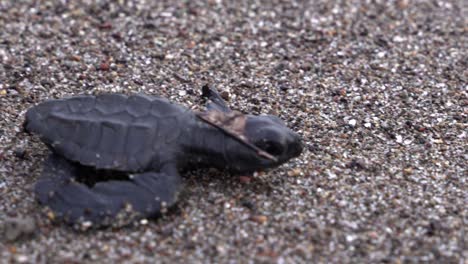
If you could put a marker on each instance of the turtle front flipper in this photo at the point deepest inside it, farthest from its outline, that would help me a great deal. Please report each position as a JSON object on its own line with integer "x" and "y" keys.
{"x": 216, "y": 101}
{"x": 107, "y": 203}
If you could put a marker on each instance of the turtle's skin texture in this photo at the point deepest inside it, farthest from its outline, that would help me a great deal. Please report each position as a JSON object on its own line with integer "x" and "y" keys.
{"x": 149, "y": 140}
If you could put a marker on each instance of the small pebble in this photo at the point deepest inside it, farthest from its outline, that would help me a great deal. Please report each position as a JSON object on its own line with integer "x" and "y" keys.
{"x": 12, "y": 229}
{"x": 245, "y": 179}
{"x": 225, "y": 95}
{"x": 21, "y": 259}
{"x": 294, "y": 172}
{"x": 261, "y": 219}
{"x": 20, "y": 153}
{"x": 408, "y": 171}
{"x": 104, "y": 66}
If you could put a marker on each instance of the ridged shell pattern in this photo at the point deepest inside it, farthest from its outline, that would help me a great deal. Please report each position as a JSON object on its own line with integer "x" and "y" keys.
{"x": 110, "y": 131}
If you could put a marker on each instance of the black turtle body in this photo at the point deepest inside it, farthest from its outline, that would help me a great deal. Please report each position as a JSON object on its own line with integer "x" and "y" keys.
{"x": 150, "y": 140}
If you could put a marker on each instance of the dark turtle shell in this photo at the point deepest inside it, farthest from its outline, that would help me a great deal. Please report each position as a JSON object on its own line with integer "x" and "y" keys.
{"x": 109, "y": 131}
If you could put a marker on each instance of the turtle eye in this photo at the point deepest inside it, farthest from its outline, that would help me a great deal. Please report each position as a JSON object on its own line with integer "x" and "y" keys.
{"x": 271, "y": 147}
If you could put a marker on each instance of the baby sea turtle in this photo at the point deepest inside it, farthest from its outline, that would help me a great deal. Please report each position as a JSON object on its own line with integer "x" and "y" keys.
{"x": 147, "y": 141}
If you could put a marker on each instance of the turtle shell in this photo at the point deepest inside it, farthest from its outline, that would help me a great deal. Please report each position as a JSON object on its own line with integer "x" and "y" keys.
{"x": 109, "y": 131}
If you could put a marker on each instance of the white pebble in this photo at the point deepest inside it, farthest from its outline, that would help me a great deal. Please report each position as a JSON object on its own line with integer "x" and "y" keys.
{"x": 398, "y": 39}
{"x": 21, "y": 259}
{"x": 399, "y": 138}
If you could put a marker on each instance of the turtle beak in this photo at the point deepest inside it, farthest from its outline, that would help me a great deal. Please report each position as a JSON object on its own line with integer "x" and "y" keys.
{"x": 295, "y": 149}
{"x": 294, "y": 146}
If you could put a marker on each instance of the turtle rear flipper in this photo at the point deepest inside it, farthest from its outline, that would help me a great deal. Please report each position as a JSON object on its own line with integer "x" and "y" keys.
{"x": 108, "y": 203}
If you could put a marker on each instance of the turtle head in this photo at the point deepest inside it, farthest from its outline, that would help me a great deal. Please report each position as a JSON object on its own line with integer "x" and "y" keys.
{"x": 252, "y": 142}
{"x": 268, "y": 143}
{"x": 270, "y": 134}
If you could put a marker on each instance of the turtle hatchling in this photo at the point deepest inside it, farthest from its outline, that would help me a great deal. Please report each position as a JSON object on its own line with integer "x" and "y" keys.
{"x": 141, "y": 143}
